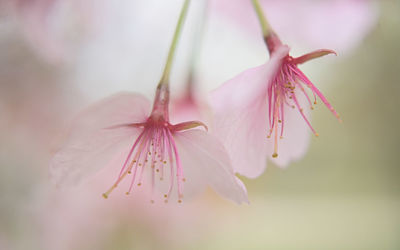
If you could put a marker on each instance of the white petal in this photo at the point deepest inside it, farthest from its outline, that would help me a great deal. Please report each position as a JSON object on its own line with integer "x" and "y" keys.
{"x": 241, "y": 116}
{"x": 205, "y": 162}
{"x": 91, "y": 144}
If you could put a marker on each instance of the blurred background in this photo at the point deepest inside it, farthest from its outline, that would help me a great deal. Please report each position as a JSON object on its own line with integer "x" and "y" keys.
{"x": 59, "y": 56}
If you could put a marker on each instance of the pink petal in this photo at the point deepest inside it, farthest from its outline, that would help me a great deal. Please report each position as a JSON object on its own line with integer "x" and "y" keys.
{"x": 183, "y": 110}
{"x": 189, "y": 125}
{"x": 91, "y": 144}
{"x": 313, "y": 55}
{"x": 240, "y": 107}
{"x": 189, "y": 109}
{"x": 296, "y": 134}
{"x": 205, "y": 162}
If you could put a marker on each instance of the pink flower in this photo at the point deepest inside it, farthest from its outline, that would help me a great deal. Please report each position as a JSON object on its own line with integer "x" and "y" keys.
{"x": 177, "y": 159}
{"x": 266, "y": 101}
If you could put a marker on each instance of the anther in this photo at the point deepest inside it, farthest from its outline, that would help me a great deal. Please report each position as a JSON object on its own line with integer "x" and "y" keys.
{"x": 165, "y": 195}
{"x": 105, "y": 196}
{"x": 274, "y": 155}
{"x": 127, "y": 193}
{"x": 152, "y": 201}
{"x": 139, "y": 184}
{"x": 179, "y": 201}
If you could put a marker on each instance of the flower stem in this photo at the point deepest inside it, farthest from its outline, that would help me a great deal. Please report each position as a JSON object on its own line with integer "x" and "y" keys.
{"x": 165, "y": 76}
{"x": 266, "y": 28}
{"x": 270, "y": 37}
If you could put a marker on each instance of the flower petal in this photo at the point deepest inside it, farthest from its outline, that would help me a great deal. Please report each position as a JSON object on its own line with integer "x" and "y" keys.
{"x": 313, "y": 55}
{"x": 92, "y": 144}
{"x": 189, "y": 125}
{"x": 240, "y": 108}
{"x": 205, "y": 162}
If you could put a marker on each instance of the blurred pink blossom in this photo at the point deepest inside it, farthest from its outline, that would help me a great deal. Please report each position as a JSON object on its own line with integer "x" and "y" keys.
{"x": 191, "y": 105}
{"x": 53, "y": 28}
{"x": 108, "y": 129}
{"x": 337, "y": 24}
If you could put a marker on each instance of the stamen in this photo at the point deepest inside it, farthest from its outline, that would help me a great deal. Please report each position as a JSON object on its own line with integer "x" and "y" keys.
{"x": 130, "y": 153}
{"x": 137, "y": 156}
{"x": 302, "y": 114}
{"x": 275, "y": 125}
{"x": 164, "y": 146}
{"x": 305, "y": 93}
{"x": 134, "y": 173}
{"x": 157, "y": 134}
{"x": 275, "y": 154}
{"x": 304, "y": 79}
{"x": 155, "y": 146}
{"x": 171, "y": 163}
{"x": 179, "y": 170}
{"x": 121, "y": 177}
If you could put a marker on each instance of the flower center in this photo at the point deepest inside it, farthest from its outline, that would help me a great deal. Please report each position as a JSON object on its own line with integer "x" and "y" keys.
{"x": 156, "y": 151}
{"x": 283, "y": 90}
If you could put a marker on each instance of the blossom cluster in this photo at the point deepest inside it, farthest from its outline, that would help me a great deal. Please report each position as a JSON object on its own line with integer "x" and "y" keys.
{"x": 262, "y": 112}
